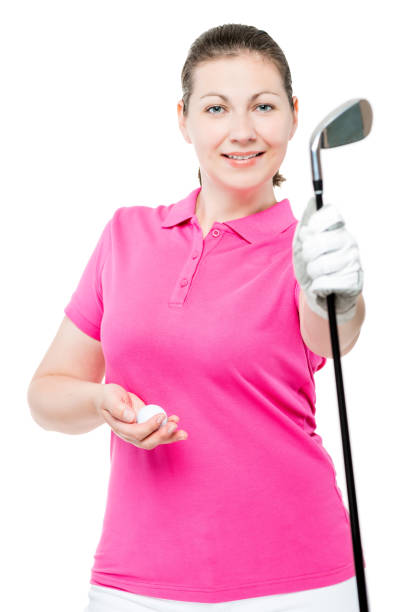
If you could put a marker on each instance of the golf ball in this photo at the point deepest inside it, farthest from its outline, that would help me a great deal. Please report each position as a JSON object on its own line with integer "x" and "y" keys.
{"x": 149, "y": 410}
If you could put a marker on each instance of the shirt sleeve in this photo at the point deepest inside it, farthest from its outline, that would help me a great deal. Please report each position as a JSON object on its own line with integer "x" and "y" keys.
{"x": 85, "y": 307}
{"x": 316, "y": 362}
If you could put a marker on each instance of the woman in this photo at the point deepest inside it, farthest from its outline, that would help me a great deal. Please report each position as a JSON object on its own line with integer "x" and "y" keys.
{"x": 195, "y": 306}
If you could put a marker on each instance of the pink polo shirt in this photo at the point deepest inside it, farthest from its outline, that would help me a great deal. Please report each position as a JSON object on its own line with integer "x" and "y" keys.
{"x": 209, "y": 329}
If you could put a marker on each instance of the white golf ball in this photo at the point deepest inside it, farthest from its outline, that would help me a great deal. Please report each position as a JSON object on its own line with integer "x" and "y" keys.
{"x": 146, "y": 413}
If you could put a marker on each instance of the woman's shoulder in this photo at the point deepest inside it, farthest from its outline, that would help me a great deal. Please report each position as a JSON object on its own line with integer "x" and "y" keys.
{"x": 124, "y": 214}
{"x": 130, "y": 220}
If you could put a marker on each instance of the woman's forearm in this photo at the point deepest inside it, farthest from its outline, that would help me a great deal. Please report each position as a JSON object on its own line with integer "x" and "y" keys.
{"x": 64, "y": 404}
{"x": 316, "y": 330}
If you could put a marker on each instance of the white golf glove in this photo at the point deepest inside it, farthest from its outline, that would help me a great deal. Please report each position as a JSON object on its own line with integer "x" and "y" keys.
{"x": 326, "y": 260}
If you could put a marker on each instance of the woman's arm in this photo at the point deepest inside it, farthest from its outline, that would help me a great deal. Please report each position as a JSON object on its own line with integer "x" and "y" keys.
{"x": 65, "y": 386}
{"x": 315, "y": 330}
{"x": 64, "y": 403}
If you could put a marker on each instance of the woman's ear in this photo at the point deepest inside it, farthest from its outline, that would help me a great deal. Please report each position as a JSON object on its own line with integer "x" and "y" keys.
{"x": 295, "y": 117}
{"x": 182, "y": 121}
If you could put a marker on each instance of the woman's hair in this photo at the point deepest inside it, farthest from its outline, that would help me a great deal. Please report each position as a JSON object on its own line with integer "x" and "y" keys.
{"x": 231, "y": 40}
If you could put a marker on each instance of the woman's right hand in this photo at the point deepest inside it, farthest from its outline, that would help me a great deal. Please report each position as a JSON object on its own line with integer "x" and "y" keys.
{"x": 111, "y": 402}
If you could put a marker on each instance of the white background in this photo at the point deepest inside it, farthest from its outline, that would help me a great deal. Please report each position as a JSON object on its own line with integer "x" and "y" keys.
{"x": 89, "y": 124}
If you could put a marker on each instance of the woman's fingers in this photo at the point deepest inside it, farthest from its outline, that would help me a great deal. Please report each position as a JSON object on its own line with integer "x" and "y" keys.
{"x": 148, "y": 434}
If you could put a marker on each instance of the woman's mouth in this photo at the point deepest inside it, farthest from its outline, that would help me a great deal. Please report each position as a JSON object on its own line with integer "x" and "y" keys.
{"x": 244, "y": 161}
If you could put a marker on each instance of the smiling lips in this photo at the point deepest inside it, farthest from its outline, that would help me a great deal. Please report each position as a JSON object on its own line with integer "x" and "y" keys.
{"x": 244, "y": 161}
{"x": 242, "y": 152}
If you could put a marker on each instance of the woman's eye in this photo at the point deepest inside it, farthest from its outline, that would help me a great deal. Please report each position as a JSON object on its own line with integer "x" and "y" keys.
{"x": 208, "y": 109}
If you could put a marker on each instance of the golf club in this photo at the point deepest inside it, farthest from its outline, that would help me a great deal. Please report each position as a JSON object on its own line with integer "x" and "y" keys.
{"x": 348, "y": 123}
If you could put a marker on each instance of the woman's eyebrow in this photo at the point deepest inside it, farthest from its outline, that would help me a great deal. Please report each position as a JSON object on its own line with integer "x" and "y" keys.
{"x": 250, "y": 99}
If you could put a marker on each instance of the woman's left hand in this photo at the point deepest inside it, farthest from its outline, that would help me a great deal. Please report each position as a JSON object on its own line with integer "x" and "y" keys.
{"x": 326, "y": 260}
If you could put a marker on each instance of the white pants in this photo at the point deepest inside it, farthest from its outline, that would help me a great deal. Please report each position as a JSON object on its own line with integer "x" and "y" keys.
{"x": 341, "y": 597}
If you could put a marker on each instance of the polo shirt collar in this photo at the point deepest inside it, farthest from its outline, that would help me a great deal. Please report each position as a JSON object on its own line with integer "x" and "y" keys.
{"x": 253, "y": 228}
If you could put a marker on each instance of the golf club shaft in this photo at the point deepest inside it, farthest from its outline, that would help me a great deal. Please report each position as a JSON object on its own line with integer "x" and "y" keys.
{"x": 348, "y": 464}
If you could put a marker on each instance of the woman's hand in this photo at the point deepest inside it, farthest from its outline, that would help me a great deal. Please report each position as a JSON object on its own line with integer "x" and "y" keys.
{"x": 111, "y": 403}
{"x": 326, "y": 260}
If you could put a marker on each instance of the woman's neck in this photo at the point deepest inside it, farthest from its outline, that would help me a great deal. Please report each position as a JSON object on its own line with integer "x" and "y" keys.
{"x": 214, "y": 205}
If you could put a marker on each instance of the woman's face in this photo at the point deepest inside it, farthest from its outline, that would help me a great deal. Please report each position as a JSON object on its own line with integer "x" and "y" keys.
{"x": 216, "y": 126}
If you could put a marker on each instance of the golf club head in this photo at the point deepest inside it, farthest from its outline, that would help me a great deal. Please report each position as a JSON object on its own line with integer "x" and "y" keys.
{"x": 347, "y": 123}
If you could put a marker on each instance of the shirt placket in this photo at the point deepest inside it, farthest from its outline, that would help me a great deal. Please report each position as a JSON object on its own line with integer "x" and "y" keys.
{"x": 200, "y": 248}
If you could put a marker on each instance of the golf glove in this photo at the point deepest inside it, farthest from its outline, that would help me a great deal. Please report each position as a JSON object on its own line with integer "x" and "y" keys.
{"x": 326, "y": 260}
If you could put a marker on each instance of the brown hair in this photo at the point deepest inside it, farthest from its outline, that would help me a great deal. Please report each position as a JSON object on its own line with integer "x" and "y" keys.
{"x": 231, "y": 40}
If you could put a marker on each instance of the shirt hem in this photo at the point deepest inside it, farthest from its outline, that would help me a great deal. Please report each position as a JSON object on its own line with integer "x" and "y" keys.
{"x": 86, "y": 326}
{"x": 229, "y": 593}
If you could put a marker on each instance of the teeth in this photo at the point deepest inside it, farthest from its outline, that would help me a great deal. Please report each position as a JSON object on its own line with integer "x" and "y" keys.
{"x": 242, "y": 156}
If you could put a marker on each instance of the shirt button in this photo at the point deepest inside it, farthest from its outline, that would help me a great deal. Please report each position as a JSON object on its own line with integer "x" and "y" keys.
{"x": 184, "y": 282}
{"x": 216, "y": 232}
{"x": 195, "y": 255}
